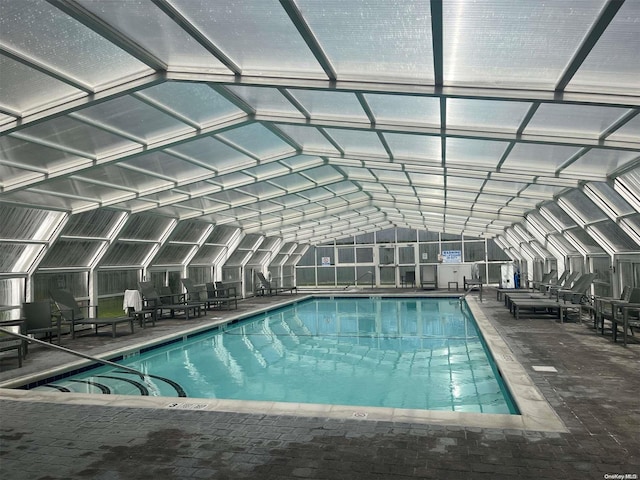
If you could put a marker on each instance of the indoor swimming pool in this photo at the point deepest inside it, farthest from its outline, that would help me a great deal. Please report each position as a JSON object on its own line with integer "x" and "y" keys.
{"x": 411, "y": 353}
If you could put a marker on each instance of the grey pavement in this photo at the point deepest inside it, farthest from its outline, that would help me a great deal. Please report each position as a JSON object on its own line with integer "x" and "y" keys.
{"x": 595, "y": 393}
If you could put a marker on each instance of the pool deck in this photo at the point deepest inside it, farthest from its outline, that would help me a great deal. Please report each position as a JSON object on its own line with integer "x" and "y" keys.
{"x": 595, "y": 393}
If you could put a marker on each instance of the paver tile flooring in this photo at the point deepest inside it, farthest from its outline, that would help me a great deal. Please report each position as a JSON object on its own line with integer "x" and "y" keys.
{"x": 595, "y": 392}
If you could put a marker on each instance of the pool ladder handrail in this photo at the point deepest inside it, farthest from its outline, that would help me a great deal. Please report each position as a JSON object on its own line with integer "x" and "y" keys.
{"x": 73, "y": 352}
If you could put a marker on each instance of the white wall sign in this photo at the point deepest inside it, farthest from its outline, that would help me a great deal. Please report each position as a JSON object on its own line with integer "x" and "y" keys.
{"x": 452, "y": 256}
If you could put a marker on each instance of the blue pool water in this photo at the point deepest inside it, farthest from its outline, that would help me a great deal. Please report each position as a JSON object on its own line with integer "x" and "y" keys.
{"x": 416, "y": 353}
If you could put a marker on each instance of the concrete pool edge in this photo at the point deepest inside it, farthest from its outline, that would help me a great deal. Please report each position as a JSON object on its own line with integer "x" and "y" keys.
{"x": 536, "y": 413}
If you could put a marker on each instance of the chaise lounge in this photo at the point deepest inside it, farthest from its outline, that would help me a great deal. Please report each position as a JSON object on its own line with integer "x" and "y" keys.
{"x": 71, "y": 313}
{"x": 268, "y": 287}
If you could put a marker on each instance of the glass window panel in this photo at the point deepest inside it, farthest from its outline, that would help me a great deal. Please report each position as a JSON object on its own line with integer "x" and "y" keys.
{"x": 11, "y": 294}
{"x": 17, "y": 257}
{"x": 486, "y": 153}
{"x": 29, "y": 154}
{"x": 207, "y": 254}
{"x": 326, "y": 276}
{"x": 629, "y": 132}
{"x": 391, "y": 42}
{"x": 309, "y": 138}
{"x": 473, "y": 251}
{"x": 353, "y": 141}
{"x": 386, "y": 236}
{"x": 70, "y": 133}
{"x": 404, "y": 109}
{"x": 586, "y": 241}
{"x": 491, "y": 115}
{"x": 365, "y": 238}
{"x": 322, "y": 252}
{"x": 116, "y": 282}
{"x": 96, "y": 223}
{"x": 265, "y": 100}
{"x": 172, "y": 255}
{"x": 258, "y": 140}
{"x": 238, "y": 258}
{"x": 257, "y": 34}
{"x": 573, "y": 120}
{"x": 306, "y": 276}
{"x": 122, "y": 253}
{"x": 195, "y": 101}
{"x": 495, "y": 253}
{"x": 364, "y": 255}
{"x": 612, "y": 65}
{"x": 214, "y": 153}
{"x": 583, "y": 206}
{"x": 37, "y": 198}
{"x": 345, "y": 275}
{"x": 431, "y": 250}
{"x": 250, "y": 241}
{"x": 414, "y": 146}
{"x": 12, "y": 175}
{"x": 65, "y": 43}
{"x": 599, "y": 162}
{"x": 71, "y": 253}
{"x": 84, "y": 190}
{"x": 406, "y": 255}
{"x": 23, "y": 88}
{"x": 406, "y": 235}
{"x": 546, "y": 158}
{"x": 135, "y": 117}
{"x": 330, "y": 104}
{"x": 541, "y": 192}
{"x": 189, "y": 231}
{"x": 258, "y": 259}
{"x": 27, "y": 223}
{"x": 346, "y": 255}
{"x": 615, "y": 237}
{"x": 501, "y": 42}
{"x": 76, "y": 282}
{"x": 611, "y": 198}
{"x": 156, "y": 32}
{"x": 145, "y": 227}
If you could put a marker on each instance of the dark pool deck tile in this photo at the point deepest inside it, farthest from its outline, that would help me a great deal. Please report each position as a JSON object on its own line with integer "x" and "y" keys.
{"x": 595, "y": 392}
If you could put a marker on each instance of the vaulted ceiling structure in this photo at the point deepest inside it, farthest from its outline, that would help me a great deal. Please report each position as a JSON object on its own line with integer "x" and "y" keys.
{"x": 311, "y": 120}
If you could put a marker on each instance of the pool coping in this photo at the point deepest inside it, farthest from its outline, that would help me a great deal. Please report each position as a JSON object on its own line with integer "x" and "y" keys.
{"x": 535, "y": 412}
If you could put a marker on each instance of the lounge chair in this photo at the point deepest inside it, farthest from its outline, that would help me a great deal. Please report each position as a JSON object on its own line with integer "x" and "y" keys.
{"x": 626, "y": 314}
{"x": 225, "y": 295}
{"x": 38, "y": 320}
{"x": 537, "y": 305}
{"x": 195, "y": 293}
{"x": 272, "y": 289}
{"x": 165, "y": 301}
{"x": 569, "y": 280}
{"x": 9, "y": 343}
{"x": 71, "y": 313}
{"x": 546, "y": 279}
{"x": 578, "y": 291}
{"x": 603, "y": 307}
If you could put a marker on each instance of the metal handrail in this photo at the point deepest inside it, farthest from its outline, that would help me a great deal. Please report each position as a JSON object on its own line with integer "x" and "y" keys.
{"x": 72, "y": 352}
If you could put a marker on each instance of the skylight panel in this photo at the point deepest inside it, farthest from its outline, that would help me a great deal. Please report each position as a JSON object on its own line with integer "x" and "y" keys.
{"x": 257, "y": 35}
{"x": 390, "y": 42}
{"x": 507, "y": 43}
{"x": 612, "y": 65}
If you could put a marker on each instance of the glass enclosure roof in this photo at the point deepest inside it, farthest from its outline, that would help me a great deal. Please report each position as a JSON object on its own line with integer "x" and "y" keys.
{"x": 303, "y": 120}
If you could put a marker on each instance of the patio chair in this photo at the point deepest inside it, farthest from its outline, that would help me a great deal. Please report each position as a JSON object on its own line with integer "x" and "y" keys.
{"x": 546, "y": 278}
{"x": 165, "y": 300}
{"x": 71, "y": 313}
{"x": 195, "y": 293}
{"x": 567, "y": 283}
{"x": 624, "y": 313}
{"x": 38, "y": 320}
{"x": 603, "y": 307}
{"x": 226, "y": 295}
{"x": 9, "y": 343}
{"x": 577, "y": 293}
{"x": 274, "y": 289}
